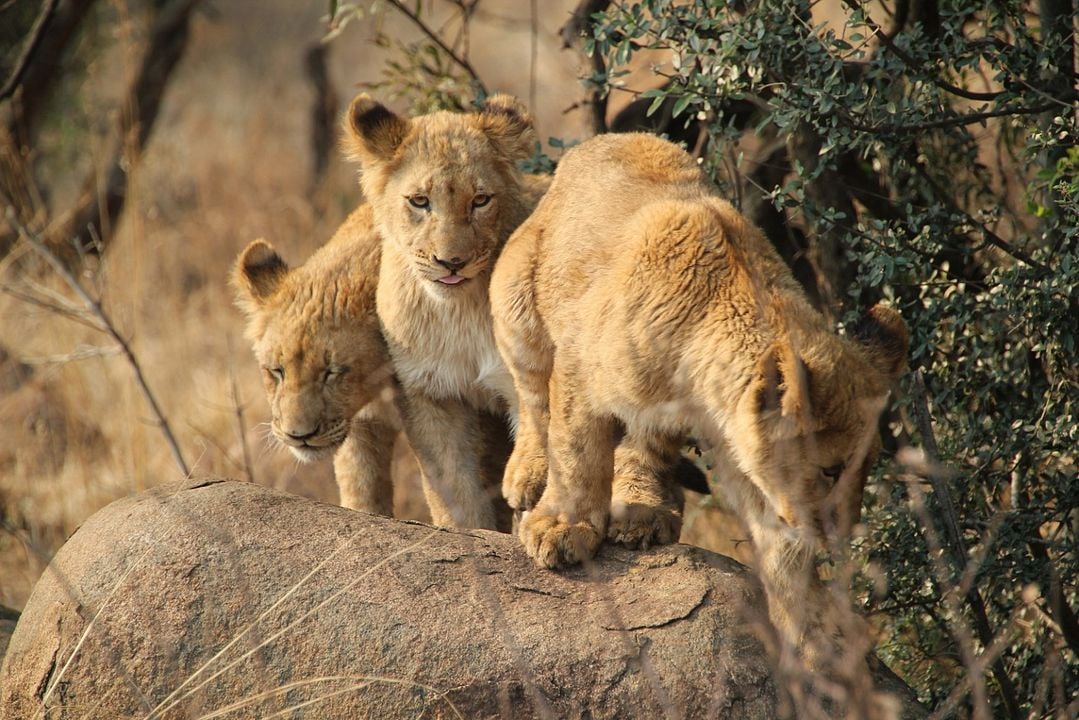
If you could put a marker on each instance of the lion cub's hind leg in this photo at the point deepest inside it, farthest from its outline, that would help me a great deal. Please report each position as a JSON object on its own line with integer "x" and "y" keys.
{"x": 646, "y": 503}
{"x": 568, "y": 524}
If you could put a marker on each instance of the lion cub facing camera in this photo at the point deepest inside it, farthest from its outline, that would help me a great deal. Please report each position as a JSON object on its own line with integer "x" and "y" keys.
{"x": 634, "y": 295}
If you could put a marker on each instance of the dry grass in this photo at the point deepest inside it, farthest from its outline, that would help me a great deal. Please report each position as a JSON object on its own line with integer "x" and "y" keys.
{"x": 230, "y": 160}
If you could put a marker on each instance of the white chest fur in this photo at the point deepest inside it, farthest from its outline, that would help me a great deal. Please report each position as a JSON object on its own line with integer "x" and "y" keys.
{"x": 443, "y": 346}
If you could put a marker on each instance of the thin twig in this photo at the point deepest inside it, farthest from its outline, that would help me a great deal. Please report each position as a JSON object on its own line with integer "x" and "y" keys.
{"x": 956, "y": 545}
{"x": 82, "y": 352}
{"x": 36, "y": 33}
{"x": 460, "y": 60}
{"x": 241, "y": 427}
{"x": 66, "y": 310}
{"x": 98, "y": 312}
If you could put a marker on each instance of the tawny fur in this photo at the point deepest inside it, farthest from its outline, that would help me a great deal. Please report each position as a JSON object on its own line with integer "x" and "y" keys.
{"x": 634, "y": 295}
{"x": 460, "y": 168}
{"x": 463, "y": 167}
{"x": 325, "y": 366}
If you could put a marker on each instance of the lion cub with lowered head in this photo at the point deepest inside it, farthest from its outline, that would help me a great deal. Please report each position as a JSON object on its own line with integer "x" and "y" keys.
{"x": 634, "y": 294}
{"x": 447, "y": 194}
{"x": 325, "y": 365}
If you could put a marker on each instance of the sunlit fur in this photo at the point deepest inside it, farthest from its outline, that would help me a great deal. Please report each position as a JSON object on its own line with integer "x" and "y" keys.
{"x": 635, "y": 295}
{"x": 463, "y": 167}
{"x": 324, "y": 363}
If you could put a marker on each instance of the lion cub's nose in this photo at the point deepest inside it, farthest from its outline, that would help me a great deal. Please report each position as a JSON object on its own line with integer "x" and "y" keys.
{"x": 299, "y": 435}
{"x": 453, "y": 264}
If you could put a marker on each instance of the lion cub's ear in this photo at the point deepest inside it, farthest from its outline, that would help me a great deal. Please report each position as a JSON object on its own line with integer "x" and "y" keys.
{"x": 509, "y": 125}
{"x": 372, "y": 132}
{"x": 257, "y": 275}
{"x": 884, "y": 337}
{"x": 783, "y": 384}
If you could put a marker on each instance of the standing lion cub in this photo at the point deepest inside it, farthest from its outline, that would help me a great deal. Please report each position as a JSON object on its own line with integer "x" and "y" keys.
{"x": 447, "y": 194}
{"x": 634, "y": 295}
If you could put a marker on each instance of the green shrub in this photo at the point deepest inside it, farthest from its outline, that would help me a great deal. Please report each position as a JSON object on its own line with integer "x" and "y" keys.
{"x": 933, "y": 164}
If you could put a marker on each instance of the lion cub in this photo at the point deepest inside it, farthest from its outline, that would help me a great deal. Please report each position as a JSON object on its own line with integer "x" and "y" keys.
{"x": 447, "y": 194}
{"x": 325, "y": 365}
{"x": 634, "y": 295}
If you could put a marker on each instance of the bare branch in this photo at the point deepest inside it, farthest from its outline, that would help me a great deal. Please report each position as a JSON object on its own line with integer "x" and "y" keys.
{"x": 990, "y": 237}
{"x": 460, "y": 60}
{"x": 95, "y": 309}
{"x": 887, "y": 41}
{"x": 956, "y": 545}
{"x": 36, "y": 33}
{"x": 40, "y": 75}
{"x": 580, "y": 25}
{"x": 956, "y": 121}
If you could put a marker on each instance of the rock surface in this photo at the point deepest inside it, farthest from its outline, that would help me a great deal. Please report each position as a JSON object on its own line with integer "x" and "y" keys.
{"x": 226, "y": 599}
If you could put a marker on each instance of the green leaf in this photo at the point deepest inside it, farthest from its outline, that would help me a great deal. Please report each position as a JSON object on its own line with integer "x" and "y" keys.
{"x": 655, "y": 105}
{"x": 681, "y": 104}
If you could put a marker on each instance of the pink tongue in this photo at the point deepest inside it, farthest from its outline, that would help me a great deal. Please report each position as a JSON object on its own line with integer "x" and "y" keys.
{"x": 451, "y": 279}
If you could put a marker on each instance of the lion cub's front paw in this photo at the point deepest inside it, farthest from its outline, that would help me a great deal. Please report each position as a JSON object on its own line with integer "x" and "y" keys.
{"x": 526, "y": 476}
{"x": 554, "y": 543}
{"x": 641, "y": 526}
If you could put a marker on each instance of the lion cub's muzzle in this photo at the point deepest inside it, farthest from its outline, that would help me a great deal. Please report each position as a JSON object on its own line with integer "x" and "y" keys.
{"x": 314, "y": 444}
{"x": 451, "y": 271}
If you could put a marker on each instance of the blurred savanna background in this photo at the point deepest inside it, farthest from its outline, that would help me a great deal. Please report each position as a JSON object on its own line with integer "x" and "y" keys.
{"x": 919, "y": 152}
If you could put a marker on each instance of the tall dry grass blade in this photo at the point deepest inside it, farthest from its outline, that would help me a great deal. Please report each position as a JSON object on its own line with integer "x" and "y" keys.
{"x": 499, "y": 620}
{"x": 299, "y": 583}
{"x": 98, "y": 312}
{"x": 287, "y": 687}
{"x": 360, "y": 682}
{"x": 173, "y": 698}
{"x": 238, "y": 409}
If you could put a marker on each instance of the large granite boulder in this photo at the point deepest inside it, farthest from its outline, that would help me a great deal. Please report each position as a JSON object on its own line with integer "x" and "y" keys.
{"x": 220, "y": 599}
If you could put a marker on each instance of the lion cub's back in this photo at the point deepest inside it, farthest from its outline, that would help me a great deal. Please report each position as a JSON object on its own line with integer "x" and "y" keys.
{"x": 345, "y": 269}
{"x": 590, "y": 219}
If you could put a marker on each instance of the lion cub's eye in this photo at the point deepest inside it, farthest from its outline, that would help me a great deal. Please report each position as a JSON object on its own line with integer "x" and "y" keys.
{"x": 834, "y": 471}
{"x": 480, "y": 200}
{"x": 332, "y": 373}
{"x": 419, "y": 201}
